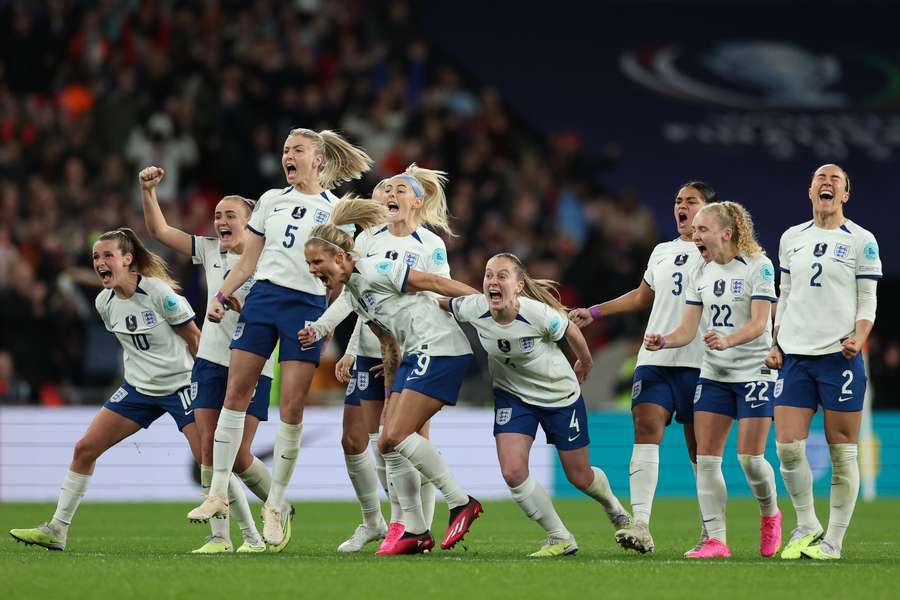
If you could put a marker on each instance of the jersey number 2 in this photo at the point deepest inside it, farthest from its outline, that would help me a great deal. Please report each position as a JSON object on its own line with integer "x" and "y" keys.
{"x": 814, "y": 280}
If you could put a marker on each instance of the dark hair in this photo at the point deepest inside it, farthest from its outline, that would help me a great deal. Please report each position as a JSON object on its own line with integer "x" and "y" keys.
{"x": 144, "y": 262}
{"x": 706, "y": 190}
{"x": 542, "y": 290}
{"x": 843, "y": 170}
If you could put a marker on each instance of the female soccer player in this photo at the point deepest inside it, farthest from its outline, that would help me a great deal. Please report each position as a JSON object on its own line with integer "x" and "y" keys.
{"x": 414, "y": 199}
{"x": 436, "y": 355}
{"x": 218, "y": 255}
{"x": 519, "y": 321}
{"x": 829, "y": 272}
{"x": 664, "y": 382}
{"x": 284, "y": 298}
{"x": 734, "y": 293}
{"x": 156, "y": 328}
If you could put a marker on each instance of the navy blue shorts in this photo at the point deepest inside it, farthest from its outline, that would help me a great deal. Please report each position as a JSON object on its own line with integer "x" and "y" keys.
{"x": 566, "y": 427}
{"x": 736, "y": 400}
{"x": 830, "y": 380}
{"x": 209, "y": 381}
{"x": 273, "y": 314}
{"x": 435, "y": 376}
{"x": 670, "y": 387}
{"x": 143, "y": 409}
{"x": 363, "y": 385}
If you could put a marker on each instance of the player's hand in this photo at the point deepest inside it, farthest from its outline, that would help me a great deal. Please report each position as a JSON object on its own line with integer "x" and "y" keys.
{"x": 232, "y": 303}
{"x": 715, "y": 342}
{"x": 849, "y": 347}
{"x": 653, "y": 342}
{"x": 308, "y": 336}
{"x": 775, "y": 358}
{"x": 582, "y": 370}
{"x": 216, "y": 311}
{"x": 150, "y": 177}
{"x": 581, "y": 317}
{"x": 343, "y": 369}
{"x": 377, "y": 370}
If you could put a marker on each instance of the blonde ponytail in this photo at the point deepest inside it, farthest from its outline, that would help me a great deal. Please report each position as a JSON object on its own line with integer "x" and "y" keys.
{"x": 343, "y": 161}
{"x": 542, "y": 290}
{"x": 736, "y": 217}
{"x": 349, "y": 211}
{"x": 143, "y": 261}
{"x": 433, "y": 211}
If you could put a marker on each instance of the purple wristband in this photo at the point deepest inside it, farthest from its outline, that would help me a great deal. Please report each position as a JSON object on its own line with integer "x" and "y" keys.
{"x": 595, "y": 312}
{"x": 662, "y": 342}
{"x": 220, "y": 297}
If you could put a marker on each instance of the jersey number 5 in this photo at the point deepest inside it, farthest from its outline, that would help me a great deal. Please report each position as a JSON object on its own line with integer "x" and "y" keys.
{"x": 289, "y": 237}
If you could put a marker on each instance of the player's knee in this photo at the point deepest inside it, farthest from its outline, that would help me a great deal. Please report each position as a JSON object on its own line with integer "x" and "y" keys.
{"x": 580, "y": 478}
{"x": 514, "y": 475}
{"x": 353, "y": 443}
{"x": 791, "y": 454}
{"x": 85, "y": 453}
{"x": 647, "y": 430}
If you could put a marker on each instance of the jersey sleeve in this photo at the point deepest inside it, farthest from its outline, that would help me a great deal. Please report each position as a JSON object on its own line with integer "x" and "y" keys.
{"x": 692, "y": 291}
{"x": 257, "y": 223}
{"x": 468, "y": 308}
{"x": 200, "y": 246}
{"x": 868, "y": 259}
{"x": 553, "y": 323}
{"x": 174, "y": 308}
{"x": 437, "y": 260}
{"x": 101, "y": 302}
{"x": 648, "y": 272}
{"x": 783, "y": 263}
{"x": 393, "y": 273}
{"x": 762, "y": 281}
{"x": 334, "y": 315}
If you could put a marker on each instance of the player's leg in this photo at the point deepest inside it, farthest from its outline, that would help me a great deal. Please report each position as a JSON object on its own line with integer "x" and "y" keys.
{"x": 361, "y": 470}
{"x": 242, "y": 377}
{"x": 106, "y": 430}
{"x": 751, "y": 447}
{"x": 248, "y": 466}
{"x": 205, "y": 420}
{"x": 427, "y": 489}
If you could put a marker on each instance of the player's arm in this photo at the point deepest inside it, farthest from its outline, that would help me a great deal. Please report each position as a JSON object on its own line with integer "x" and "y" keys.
{"x": 420, "y": 281}
{"x": 390, "y": 353}
{"x": 584, "y": 362}
{"x": 156, "y": 223}
{"x": 681, "y": 335}
{"x": 760, "y": 313}
{"x": 444, "y": 303}
{"x": 638, "y": 299}
{"x": 775, "y": 358}
{"x": 190, "y": 333}
{"x": 322, "y": 327}
{"x": 253, "y": 247}
{"x": 866, "y": 304}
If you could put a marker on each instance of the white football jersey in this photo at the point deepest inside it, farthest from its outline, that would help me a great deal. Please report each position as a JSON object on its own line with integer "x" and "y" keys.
{"x": 216, "y": 337}
{"x": 824, "y": 265}
{"x": 523, "y": 356}
{"x": 726, "y": 292}
{"x": 157, "y": 360}
{"x": 422, "y": 250}
{"x": 671, "y": 271}
{"x": 377, "y": 293}
{"x": 285, "y": 218}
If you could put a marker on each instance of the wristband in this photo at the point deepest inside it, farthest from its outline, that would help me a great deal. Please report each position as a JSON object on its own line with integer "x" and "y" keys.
{"x": 220, "y": 297}
{"x": 595, "y": 312}
{"x": 662, "y": 342}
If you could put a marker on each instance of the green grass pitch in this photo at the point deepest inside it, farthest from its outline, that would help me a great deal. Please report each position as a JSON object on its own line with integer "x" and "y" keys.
{"x": 140, "y": 551}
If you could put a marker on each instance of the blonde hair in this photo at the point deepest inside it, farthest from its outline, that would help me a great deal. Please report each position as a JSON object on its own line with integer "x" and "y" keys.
{"x": 736, "y": 217}
{"x": 247, "y": 203}
{"x": 144, "y": 262}
{"x": 433, "y": 211}
{"x": 349, "y": 211}
{"x": 542, "y": 290}
{"x": 343, "y": 161}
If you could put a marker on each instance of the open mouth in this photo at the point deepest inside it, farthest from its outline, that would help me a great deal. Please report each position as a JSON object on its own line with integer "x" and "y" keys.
{"x": 494, "y": 296}
{"x": 290, "y": 169}
{"x": 826, "y": 194}
{"x": 105, "y": 274}
{"x": 225, "y": 234}
{"x": 703, "y": 251}
{"x": 682, "y": 217}
{"x": 393, "y": 207}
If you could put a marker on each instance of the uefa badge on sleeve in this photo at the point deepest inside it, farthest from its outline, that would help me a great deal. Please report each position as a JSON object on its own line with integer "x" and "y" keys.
{"x": 503, "y": 415}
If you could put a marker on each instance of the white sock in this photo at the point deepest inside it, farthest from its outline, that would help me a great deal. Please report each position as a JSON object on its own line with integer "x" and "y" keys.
{"x": 428, "y": 461}
{"x": 537, "y": 506}
{"x": 365, "y": 484}
{"x": 600, "y": 491}
{"x": 405, "y": 482}
{"x": 642, "y": 476}
{"x": 381, "y": 472}
{"x": 71, "y": 492}
{"x": 426, "y": 492}
{"x": 287, "y": 447}
{"x": 703, "y": 532}
{"x": 761, "y": 479}
{"x": 257, "y": 479}
{"x": 844, "y": 490}
{"x": 240, "y": 508}
{"x": 226, "y": 443}
{"x": 713, "y": 495}
{"x": 219, "y": 527}
{"x": 797, "y": 478}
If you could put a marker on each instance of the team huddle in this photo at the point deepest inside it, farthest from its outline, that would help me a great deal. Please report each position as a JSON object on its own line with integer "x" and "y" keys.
{"x": 287, "y": 270}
